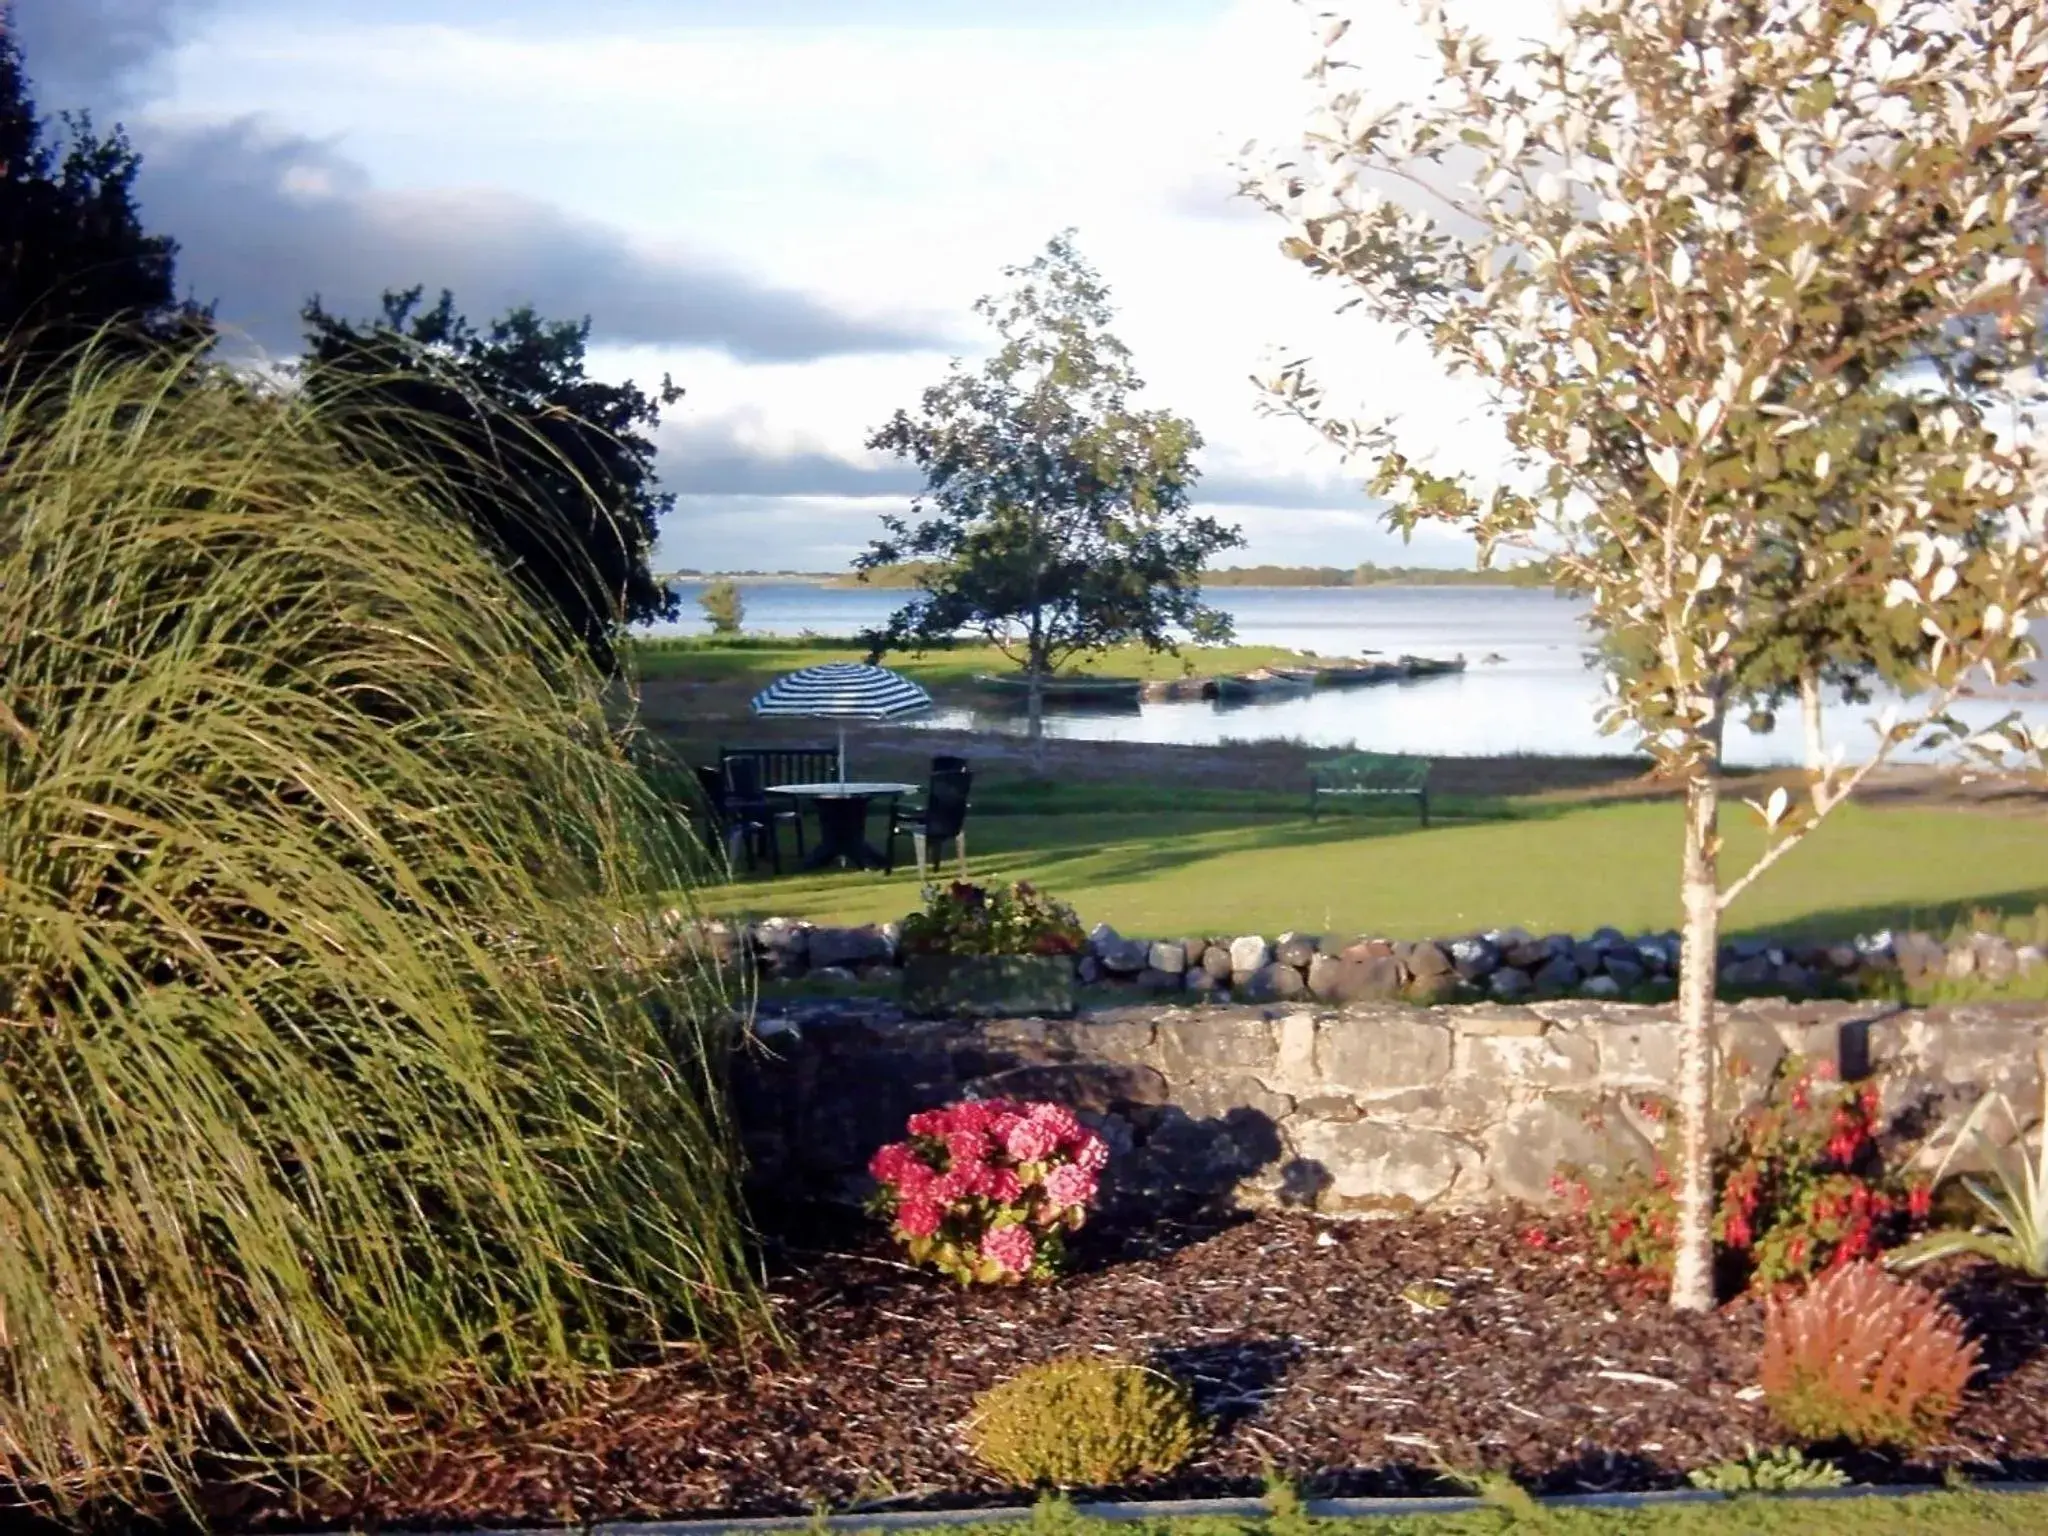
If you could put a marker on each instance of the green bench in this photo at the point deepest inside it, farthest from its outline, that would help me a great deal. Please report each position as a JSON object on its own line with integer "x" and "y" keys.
{"x": 1369, "y": 773}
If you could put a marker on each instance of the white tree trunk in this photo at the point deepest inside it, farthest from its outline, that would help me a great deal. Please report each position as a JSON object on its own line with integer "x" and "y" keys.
{"x": 1809, "y": 712}
{"x": 1692, "y": 1279}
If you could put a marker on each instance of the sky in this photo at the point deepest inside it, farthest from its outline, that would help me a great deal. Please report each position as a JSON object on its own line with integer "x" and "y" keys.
{"x": 788, "y": 205}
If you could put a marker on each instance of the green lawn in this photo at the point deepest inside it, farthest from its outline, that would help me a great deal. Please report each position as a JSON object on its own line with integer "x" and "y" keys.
{"x": 1221, "y": 863}
{"x": 751, "y": 658}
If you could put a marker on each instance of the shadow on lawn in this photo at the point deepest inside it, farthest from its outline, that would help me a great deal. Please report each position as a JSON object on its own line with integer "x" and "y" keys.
{"x": 2021, "y": 905}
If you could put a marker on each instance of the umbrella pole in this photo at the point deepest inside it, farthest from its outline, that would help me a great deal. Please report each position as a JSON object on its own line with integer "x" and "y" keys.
{"x": 842, "y": 757}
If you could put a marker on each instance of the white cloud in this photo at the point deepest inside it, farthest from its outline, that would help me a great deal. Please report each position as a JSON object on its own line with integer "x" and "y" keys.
{"x": 885, "y": 171}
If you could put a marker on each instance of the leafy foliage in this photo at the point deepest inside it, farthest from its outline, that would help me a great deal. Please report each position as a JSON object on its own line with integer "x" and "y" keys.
{"x": 75, "y": 262}
{"x": 2014, "y": 1201}
{"x": 1055, "y": 518}
{"x": 984, "y": 1191}
{"x": 1754, "y": 289}
{"x": 339, "y": 1055}
{"x": 1863, "y": 1357}
{"x": 1802, "y": 1187}
{"x": 724, "y": 609}
{"x": 549, "y": 467}
{"x": 1085, "y": 1423}
{"x": 1782, "y": 1469}
{"x": 1019, "y": 919}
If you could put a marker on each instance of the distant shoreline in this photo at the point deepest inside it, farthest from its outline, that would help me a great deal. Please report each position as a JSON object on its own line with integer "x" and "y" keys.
{"x": 1256, "y": 579}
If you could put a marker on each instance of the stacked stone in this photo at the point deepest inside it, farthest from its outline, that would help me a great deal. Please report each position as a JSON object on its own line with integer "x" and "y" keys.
{"x": 1509, "y": 964}
{"x": 1503, "y": 964}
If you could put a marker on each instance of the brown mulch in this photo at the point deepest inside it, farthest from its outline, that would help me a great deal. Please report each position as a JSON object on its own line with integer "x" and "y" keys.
{"x": 1295, "y": 1334}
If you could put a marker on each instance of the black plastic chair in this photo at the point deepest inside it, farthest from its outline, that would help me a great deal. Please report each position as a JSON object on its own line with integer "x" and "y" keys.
{"x": 943, "y": 815}
{"x": 751, "y": 819}
{"x": 949, "y": 765}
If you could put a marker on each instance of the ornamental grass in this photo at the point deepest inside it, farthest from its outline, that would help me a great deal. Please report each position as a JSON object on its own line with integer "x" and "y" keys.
{"x": 340, "y": 1059}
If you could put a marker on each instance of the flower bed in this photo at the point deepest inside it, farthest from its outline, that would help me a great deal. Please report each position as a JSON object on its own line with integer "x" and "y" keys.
{"x": 1356, "y": 1359}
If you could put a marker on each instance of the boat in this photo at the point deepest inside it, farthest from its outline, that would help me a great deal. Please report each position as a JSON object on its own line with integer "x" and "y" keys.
{"x": 1425, "y": 666}
{"x": 1067, "y": 690}
{"x": 1358, "y": 674}
{"x": 1264, "y": 683}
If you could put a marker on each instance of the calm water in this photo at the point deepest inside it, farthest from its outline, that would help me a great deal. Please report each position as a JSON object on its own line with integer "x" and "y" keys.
{"x": 1526, "y": 687}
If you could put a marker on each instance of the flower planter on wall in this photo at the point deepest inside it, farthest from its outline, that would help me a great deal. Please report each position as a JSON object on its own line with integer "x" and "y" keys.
{"x": 988, "y": 986}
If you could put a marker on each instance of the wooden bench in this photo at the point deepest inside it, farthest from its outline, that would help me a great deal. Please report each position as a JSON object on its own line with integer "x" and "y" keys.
{"x": 1369, "y": 773}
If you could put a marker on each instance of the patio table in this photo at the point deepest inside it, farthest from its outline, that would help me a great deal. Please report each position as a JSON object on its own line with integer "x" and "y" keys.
{"x": 843, "y": 819}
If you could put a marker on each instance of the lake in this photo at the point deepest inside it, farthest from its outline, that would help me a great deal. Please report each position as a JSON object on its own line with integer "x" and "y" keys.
{"x": 1539, "y": 695}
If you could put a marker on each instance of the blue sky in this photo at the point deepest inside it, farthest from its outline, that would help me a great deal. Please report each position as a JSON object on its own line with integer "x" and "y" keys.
{"x": 790, "y": 205}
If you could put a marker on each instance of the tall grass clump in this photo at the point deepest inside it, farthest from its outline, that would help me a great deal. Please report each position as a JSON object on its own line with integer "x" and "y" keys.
{"x": 340, "y": 1059}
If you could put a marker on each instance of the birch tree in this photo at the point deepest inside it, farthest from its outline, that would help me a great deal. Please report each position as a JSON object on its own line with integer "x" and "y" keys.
{"x": 1692, "y": 249}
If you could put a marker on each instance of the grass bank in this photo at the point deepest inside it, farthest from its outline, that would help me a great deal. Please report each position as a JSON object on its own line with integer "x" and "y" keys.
{"x": 1221, "y": 861}
{"x": 759, "y": 658}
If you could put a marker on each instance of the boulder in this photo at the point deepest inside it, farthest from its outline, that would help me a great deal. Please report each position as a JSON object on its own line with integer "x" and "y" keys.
{"x": 1359, "y": 981}
{"x": 1748, "y": 972}
{"x": 1124, "y": 957}
{"x": 1367, "y": 949}
{"x": 850, "y": 946}
{"x": 1248, "y": 954}
{"x": 1509, "y": 984}
{"x": 1295, "y": 949}
{"x": 1152, "y": 979}
{"x": 1275, "y": 983}
{"x": 1602, "y": 986}
{"x": 1426, "y": 958}
{"x": 1556, "y": 974}
{"x": 1427, "y": 990}
{"x": 1323, "y": 971}
{"x": 1088, "y": 970}
{"x": 1919, "y": 957}
{"x": 1474, "y": 958}
{"x": 2028, "y": 958}
{"x": 1216, "y": 962}
{"x": 1998, "y": 960}
{"x": 1531, "y": 955}
{"x": 1961, "y": 962}
{"x": 1200, "y": 981}
{"x": 1625, "y": 971}
{"x": 832, "y": 975}
{"x": 1172, "y": 957}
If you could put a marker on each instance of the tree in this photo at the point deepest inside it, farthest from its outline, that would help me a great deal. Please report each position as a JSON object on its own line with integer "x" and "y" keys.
{"x": 1706, "y": 249}
{"x": 723, "y": 606}
{"x": 74, "y": 259}
{"x": 1055, "y": 518}
{"x": 512, "y": 407}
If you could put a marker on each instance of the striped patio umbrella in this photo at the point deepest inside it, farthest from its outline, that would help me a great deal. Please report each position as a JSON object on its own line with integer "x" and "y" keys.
{"x": 842, "y": 691}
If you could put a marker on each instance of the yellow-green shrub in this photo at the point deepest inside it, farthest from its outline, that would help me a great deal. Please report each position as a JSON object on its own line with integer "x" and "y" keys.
{"x": 1085, "y": 1423}
{"x": 336, "y": 1057}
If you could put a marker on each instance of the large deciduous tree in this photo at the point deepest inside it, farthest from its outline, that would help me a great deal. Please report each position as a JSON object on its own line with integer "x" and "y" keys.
{"x": 1701, "y": 247}
{"x": 512, "y": 405}
{"x": 1055, "y": 520}
{"x": 76, "y": 264}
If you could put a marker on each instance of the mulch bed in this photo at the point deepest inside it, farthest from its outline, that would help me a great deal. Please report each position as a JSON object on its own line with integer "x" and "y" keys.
{"x": 1295, "y": 1334}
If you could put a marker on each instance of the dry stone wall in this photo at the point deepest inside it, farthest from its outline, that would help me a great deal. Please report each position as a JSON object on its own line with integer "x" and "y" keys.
{"x": 1370, "y": 1108}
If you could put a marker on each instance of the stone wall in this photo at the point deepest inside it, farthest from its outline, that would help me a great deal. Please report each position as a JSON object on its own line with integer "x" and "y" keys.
{"x": 1503, "y": 964}
{"x": 1348, "y": 1110}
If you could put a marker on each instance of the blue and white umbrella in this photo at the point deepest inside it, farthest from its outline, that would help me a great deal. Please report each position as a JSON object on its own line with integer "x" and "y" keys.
{"x": 843, "y": 690}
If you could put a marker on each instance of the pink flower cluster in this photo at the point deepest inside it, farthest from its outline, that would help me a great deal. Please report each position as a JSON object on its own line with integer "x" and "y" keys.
{"x": 985, "y": 1189}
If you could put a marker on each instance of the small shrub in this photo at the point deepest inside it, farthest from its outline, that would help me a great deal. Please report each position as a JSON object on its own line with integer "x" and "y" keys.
{"x": 1780, "y": 1470}
{"x": 1863, "y": 1357}
{"x": 1085, "y": 1423}
{"x": 1803, "y": 1187}
{"x": 985, "y": 1191}
{"x": 724, "y": 609}
{"x": 963, "y": 919}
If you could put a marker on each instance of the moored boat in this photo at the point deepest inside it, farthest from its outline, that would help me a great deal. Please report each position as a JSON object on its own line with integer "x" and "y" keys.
{"x": 1068, "y": 690}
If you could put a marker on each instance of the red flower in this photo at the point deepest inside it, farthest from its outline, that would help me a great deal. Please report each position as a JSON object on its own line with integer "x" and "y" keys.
{"x": 1920, "y": 1201}
{"x": 1010, "y": 1248}
{"x": 968, "y": 1149}
{"x": 920, "y": 1218}
{"x": 1032, "y": 1140}
{"x": 1738, "y": 1233}
{"x": 1070, "y": 1184}
{"x": 889, "y": 1163}
{"x": 1536, "y": 1237}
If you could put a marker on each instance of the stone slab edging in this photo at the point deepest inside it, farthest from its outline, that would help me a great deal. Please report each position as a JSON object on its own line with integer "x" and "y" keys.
{"x": 1227, "y": 1509}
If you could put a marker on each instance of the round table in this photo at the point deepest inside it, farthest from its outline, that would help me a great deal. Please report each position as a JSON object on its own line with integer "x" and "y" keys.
{"x": 843, "y": 819}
